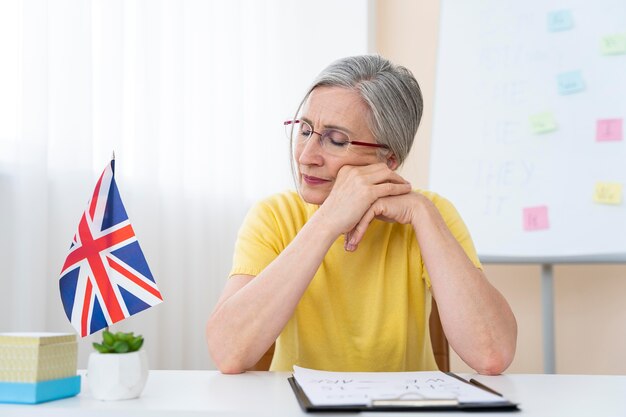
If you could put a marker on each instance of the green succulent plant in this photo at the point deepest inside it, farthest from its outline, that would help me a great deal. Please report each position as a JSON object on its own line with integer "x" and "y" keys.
{"x": 119, "y": 342}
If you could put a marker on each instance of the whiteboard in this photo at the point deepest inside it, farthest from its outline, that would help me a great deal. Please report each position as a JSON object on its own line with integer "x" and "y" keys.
{"x": 528, "y": 135}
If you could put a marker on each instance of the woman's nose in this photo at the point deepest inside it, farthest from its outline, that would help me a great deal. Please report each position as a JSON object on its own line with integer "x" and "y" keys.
{"x": 311, "y": 151}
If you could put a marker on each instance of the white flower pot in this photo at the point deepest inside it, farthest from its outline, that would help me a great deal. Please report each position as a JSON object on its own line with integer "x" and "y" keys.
{"x": 117, "y": 376}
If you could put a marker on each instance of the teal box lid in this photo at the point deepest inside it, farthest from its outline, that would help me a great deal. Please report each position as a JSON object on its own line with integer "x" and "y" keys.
{"x": 39, "y": 392}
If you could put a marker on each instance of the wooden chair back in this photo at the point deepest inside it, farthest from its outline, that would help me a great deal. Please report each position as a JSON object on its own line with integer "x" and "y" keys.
{"x": 441, "y": 349}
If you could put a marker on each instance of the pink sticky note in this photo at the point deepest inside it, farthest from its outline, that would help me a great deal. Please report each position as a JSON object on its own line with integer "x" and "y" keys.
{"x": 536, "y": 218}
{"x": 608, "y": 130}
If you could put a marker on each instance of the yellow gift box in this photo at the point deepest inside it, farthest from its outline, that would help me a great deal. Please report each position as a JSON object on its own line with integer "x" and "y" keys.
{"x": 36, "y": 357}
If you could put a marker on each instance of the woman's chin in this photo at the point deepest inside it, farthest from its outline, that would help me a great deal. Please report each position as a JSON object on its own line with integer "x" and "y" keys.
{"x": 316, "y": 197}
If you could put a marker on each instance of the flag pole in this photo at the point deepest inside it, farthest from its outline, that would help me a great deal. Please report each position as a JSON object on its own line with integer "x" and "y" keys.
{"x": 113, "y": 156}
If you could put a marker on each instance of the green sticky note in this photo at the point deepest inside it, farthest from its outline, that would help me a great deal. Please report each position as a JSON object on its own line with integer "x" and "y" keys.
{"x": 613, "y": 44}
{"x": 542, "y": 123}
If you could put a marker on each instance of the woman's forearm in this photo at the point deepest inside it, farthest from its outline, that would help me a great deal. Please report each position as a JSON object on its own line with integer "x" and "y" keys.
{"x": 248, "y": 320}
{"x": 477, "y": 320}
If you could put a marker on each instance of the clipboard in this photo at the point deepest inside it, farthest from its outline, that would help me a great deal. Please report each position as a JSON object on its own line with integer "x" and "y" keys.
{"x": 407, "y": 404}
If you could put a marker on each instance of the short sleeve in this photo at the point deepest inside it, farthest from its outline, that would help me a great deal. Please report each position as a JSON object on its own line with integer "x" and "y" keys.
{"x": 458, "y": 229}
{"x": 258, "y": 242}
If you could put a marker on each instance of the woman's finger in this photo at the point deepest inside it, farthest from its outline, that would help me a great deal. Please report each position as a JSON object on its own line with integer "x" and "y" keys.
{"x": 390, "y": 189}
{"x": 353, "y": 238}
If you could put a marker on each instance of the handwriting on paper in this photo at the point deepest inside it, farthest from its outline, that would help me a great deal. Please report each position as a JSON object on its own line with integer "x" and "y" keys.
{"x": 361, "y": 388}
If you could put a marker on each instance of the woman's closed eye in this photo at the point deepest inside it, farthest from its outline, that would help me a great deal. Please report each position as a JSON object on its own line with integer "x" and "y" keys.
{"x": 336, "y": 138}
{"x": 305, "y": 131}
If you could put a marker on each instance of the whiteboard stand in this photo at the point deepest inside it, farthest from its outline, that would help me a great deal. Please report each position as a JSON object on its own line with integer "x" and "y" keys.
{"x": 547, "y": 315}
{"x": 547, "y": 289}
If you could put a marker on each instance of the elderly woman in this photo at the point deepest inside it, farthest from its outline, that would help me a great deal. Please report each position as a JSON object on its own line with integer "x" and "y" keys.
{"x": 340, "y": 274}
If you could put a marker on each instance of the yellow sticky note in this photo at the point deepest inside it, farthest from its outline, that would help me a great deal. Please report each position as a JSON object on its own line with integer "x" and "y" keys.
{"x": 608, "y": 193}
{"x": 542, "y": 123}
{"x": 613, "y": 44}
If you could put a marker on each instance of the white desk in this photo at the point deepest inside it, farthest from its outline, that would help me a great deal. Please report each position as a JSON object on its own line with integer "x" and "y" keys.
{"x": 186, "y": 393}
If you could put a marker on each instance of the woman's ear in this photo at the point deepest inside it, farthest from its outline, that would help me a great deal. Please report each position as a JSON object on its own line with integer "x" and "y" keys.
{"x": 392, "y": 162}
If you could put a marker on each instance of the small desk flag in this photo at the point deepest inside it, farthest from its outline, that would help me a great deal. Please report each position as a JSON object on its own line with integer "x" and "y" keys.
{"x": 105, "y": 278}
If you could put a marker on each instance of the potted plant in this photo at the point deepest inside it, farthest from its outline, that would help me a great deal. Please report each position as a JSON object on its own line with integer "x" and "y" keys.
{"x": 118, "y": 370}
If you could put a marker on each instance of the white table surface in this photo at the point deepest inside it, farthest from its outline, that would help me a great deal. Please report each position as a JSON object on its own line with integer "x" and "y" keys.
{"x": 183, "y": 393}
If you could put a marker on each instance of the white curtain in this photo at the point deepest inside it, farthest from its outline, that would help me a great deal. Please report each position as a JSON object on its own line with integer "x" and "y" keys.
{"x": 191, "y": 96}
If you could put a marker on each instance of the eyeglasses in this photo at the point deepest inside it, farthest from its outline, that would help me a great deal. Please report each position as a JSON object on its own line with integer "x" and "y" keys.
{"x": 334, "y": 142}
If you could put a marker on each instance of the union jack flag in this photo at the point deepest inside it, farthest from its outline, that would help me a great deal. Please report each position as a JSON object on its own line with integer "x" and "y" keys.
{"x": 105, "y": 278}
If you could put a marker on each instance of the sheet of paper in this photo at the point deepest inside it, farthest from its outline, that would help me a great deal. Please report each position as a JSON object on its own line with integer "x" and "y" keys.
{"x": 361, "y": 388}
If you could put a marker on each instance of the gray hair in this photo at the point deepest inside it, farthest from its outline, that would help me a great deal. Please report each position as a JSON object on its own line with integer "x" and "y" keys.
{"x": 390, "y": 91}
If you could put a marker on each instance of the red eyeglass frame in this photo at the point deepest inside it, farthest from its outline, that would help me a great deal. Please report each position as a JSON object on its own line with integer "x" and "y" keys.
{"x": 351, "y": 142}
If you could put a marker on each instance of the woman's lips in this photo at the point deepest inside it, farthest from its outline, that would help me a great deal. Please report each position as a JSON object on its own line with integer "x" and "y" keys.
{"x": 313, "y": 180}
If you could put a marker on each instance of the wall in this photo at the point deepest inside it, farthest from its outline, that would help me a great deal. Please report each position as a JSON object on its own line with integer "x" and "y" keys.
{"x": 590, "y": 317}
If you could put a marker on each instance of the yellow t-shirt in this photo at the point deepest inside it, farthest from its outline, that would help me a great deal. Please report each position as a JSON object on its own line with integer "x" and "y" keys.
{"x": 366, "y": 310}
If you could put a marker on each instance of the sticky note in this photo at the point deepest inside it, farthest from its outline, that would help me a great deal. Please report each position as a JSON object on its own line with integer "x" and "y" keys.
{"x": 613, "y": 44}
{"x": 608, "y": 193}
{"x": 608, "y": 130}
{"x": 570, "y": 82}
{"x": 542, "y": 123}
{"x": 560, "y": 20}
{"x": 536, "y": 218}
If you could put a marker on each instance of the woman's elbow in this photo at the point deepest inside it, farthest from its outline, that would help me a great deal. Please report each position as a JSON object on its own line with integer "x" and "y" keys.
{"x": 493, "y": 365}
{"x": 496, "y": 361}
{"x": 225, "y": 359}
{"x": 500, "y": 352}
{"x": 226, "y": 362}
{"x": 230, "y": 367}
